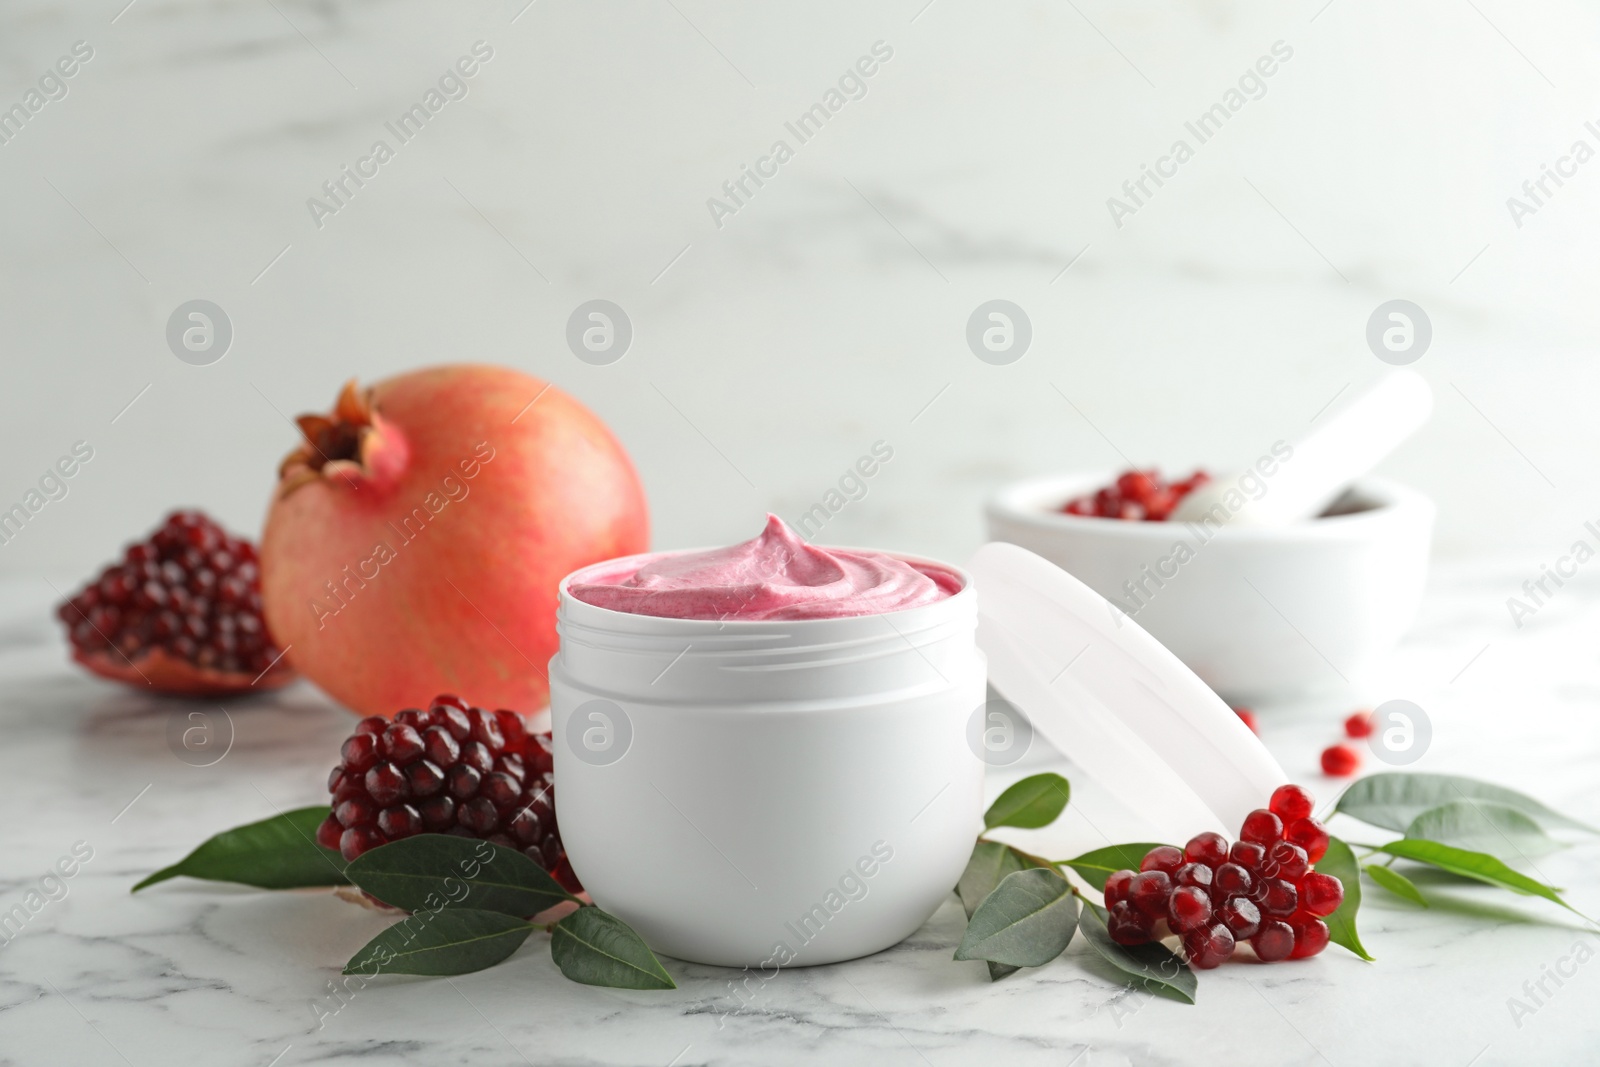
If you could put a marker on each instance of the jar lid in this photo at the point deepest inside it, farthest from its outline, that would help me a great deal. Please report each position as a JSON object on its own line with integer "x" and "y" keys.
{"x": 1114, "y": 701}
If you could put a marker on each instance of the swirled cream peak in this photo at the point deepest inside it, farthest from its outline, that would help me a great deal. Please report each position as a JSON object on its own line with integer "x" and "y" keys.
{"x": 773, "y": 576}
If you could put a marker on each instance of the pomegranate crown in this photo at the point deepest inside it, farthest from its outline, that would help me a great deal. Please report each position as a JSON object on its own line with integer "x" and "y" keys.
{"x": 353, "y": 443}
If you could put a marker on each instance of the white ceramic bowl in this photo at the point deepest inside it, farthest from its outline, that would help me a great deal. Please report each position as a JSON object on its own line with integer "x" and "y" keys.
{"x": 1258, "y": 613}
{"x": 768, "y": 793}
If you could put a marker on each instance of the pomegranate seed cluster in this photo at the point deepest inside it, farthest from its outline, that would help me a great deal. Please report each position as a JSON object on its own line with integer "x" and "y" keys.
{"x": 1262, "y": 889}
{"x": 190, "y": 590}
{"x": 452, "y": 769}
{"x": 1137, "y": 496}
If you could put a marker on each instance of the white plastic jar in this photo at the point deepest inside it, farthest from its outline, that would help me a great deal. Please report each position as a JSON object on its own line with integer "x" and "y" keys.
{"x": 768, "y": 793}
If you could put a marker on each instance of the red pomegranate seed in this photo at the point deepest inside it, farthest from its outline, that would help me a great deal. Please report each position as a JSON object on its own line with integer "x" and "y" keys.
{"x": 1162, "y": 858}
{"x": 462, "y": 780}
{"x": 1117, "y": 886}
{"x": 1290, "y": 802}
{"x": 1310, "y": 936}
{"x": 358, "y": 839}
{"x": 1280, "y": 898}
{"x": 1231, "y": 880}
{"x": 1340, "y": 761}
{"x": 1188, "y": 908}
{"x": 1148, "y": 891}
{"x": 1287, "y": 860}
{"x": 385, "y": 784}
{"x": 1241, "y": 916}
{"x": 1127, "y": 925}
{"x": 1273, "y": 942}
{"x": 400, "y": 743}
{"x": 1359, "y": 725}
{"x": 358, "y": 753}
{"x": 1208, "y": 946}
{"x": 423, "y": 779}
{"x": 479, "y": 755}
{"x": 1261, "y": 827}
{"x": 1248, "y": 717}
{"x": 1309, "y": 835}
{"x": 1321, "y": 894}
{"x": 1198, "y": 875}
{"x": 329, "y": 832}
{"x": 400, "y": 821}
{"x": 356, "y": 811}
{"x": 438, "y": 813}
{"x": 1207, "y": 848}
{"x": 1247, "y": 854}
{"x": 501, "y": 789}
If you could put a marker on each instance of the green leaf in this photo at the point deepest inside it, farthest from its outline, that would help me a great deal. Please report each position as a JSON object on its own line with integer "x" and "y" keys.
{"x": 1483, "y": 826}
{"x": 1395, "y": 882}
{"x": 597, "y": 948}
{"x": 1476, "y": 865}
{"x": 990, "y": 862}
{"x": 1340, "y": 862}
{"x": 1026, "y": 922}
{"x": 276, "y": 853}
{"x": 1097, "y": 866}
{"x": 1151, "y": 967}
{"x": 1395, "y": 798}
{"x": 432, "y": 871}
{"x": 448, "y": 941}
{"x": 1029, "y": 804}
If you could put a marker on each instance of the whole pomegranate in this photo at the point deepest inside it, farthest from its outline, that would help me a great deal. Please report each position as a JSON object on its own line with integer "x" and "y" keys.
{"x": 416, "y": 539}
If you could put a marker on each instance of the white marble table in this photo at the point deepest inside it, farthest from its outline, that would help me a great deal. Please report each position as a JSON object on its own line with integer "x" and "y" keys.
{"x": 198, "y": 973}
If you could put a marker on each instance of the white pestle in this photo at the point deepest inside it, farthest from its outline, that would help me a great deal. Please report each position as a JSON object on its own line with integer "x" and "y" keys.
{"x": 1345, "y": 446}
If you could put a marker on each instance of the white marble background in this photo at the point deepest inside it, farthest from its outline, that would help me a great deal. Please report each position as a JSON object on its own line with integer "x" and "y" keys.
{"x": 189, "y": 972}
{"x": 768, "y": 355}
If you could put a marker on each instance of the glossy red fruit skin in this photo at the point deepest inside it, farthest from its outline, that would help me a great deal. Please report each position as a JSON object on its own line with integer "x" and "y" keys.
{"x": 1309, "y": 835}
{"x": 1310, "y": 936}
{"x": 1198, "y": 875}
{"x": 358, "y": 839}
{"x": 1280, "y": 898}
{"x": 1274, "y": 941}
{"x": 1261, "y": 827}
{"x": 1231, "y": 880}
{"x": 1208, "y": 946}
{"x": 1117, "y": 886}
{"x": 1340, "y": 761}
{"x": 1148, "y": 891}
{"x": 1321, "y": 894}
{"x": 1286, "y": 860}
{"x": 1162, "y": 858}
{"x": 1128, "y": 925}
{"x": 1207, "y": 848}
{"x": 1187, "y": 908}
{"x": 1359, "y": 725}
{"x": 1291, "y": 802}
{"x": 522, "y": 494}
{"x": 1241, "y": 916}
{"x": 1247, "y": 854}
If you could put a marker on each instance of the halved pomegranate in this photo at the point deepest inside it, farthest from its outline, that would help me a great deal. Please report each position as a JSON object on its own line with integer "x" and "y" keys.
{"x": 180, "y": 614}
